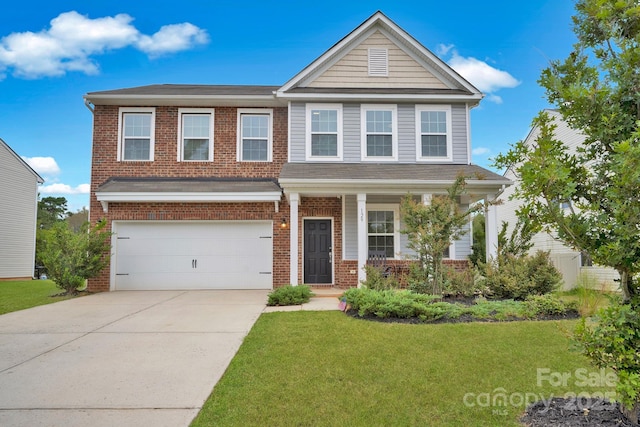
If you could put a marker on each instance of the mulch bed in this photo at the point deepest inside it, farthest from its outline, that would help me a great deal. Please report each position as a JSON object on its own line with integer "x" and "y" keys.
{"x": 465, "y": 318}
{"x": 574, "y": 412}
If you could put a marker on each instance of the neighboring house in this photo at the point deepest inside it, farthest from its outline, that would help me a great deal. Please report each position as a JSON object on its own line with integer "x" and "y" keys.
{"x": 568, "y": 261}
{"x": 261, "y": 186}
{"x": 18, "y": 215}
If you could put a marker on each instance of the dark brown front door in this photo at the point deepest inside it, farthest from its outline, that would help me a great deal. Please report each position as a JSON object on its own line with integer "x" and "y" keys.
{"x": 317, "y": 251}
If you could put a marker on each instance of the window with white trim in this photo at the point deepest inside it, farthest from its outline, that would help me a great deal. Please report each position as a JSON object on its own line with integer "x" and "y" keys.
{"x": 136, "y": 134}
{"x": 379, "y": 132}
{"x": 255, "y": 134}
{"x": 433, "y": 129}
{"x": 324, "y": 132}
{"x": 195, "y": 138}
{"x": 383, "y": 229}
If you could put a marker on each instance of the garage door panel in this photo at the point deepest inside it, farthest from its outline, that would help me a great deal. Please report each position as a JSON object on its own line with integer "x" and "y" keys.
{"x": 194, "y": 255}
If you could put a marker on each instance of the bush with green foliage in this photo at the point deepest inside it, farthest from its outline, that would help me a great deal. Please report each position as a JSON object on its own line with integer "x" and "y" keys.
{"x": 460, "y": 283}
{"x": 406, "y": 304}
{"x": 72, "y": 257}
{"x": 549, "y": 304}
{"x": 613, "y": 341}
{"x": 518, "y": 277}
{"x": 376, "y": 279}
{"x": 290, "y": 295}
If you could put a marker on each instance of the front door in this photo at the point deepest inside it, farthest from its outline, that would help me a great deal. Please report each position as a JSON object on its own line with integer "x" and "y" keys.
{"x": 317, "y": 251}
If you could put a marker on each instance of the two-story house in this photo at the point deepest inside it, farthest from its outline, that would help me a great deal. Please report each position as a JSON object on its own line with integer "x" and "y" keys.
{"x": 235, "y": 187}
{"x": 570, "y": 262}
{"x": 19, "y": 186}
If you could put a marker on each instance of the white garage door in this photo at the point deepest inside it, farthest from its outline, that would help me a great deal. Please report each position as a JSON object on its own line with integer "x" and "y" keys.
{"x": 193, "y": 255}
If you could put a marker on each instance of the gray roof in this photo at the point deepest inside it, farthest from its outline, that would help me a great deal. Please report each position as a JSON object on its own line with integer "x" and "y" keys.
{"x": 386, "y": 172}
{"x": 187, "y": 185}
{"x": 182, "y": 90}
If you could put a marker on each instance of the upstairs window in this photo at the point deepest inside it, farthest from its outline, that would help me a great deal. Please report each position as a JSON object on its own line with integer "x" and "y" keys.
{"x": 379, "y": 132}
{"x": 196, "y": 135}
{"x": 136, "y": 134}
{"x": 433, "y": 128}
{"x": 255, "y": 135}
{"x": 324, "y": 132}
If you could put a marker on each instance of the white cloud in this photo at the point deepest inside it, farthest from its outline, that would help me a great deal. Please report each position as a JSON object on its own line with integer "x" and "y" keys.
{"x": 72, "y": 39}
{"x": 486, "y": 78}
{"x": 480, "y": 151}
{"x": 43, "y": 165}
{"x": 64, "y": 189}
{"x": 172, "y": 38}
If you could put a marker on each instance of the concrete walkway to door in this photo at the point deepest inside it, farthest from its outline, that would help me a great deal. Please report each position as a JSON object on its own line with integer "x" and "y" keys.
{"x": 136, "y": 358}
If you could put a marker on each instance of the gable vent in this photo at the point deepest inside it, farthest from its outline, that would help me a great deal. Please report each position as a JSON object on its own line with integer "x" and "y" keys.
{"x": 378, "y": 62}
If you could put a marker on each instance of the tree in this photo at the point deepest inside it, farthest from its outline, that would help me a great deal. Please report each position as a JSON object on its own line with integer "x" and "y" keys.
{"x": 70, "y": 258}
{"x": 76, "y": 220}
{"x": 51, "y": 210}
{"x": 432, "y": 228}
{"x": 597, "y": 91}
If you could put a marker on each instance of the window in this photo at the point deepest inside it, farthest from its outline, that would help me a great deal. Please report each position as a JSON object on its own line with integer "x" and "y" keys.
{"x": 433, "y": 128}
{"x": 324, "y": 132}
{"x": 378, "y": 62}
{"x": 136, "y": 134}
{"x": 379, "y": 132}
{"x": 255, "y": 135}
{"x": 195, "y": 140}
{"x": 382, "y": 229}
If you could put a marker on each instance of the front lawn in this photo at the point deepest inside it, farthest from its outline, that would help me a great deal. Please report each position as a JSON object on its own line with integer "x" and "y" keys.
{"x": 325, "y": 368}
{"x": 21, "y": 294}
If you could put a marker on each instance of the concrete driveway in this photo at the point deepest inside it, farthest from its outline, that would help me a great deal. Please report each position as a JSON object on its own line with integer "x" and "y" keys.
{"x": 120, "y": 358}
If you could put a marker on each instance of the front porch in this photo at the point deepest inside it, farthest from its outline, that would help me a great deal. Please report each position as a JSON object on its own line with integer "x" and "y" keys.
{"x": 360, "y": 204}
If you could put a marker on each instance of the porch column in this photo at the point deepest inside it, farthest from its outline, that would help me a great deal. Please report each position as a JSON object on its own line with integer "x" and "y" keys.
{"x": 362, "y": 237}
{"x": 294, "y": 200}
{"x": 491, "y": 228}
{"x": 426, "y": 199}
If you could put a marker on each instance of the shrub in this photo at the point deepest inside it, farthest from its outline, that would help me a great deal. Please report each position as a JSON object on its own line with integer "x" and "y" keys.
{"x": 376, "y": 279}
{"x": 72, "y": 257}
{"x": 548, "y": 304}
{"x": 460, "y": 283}
{"x": 389, "y": 303}
{"x": 290, "y": 295}
{"x": 613, "y": 342}
{"x": 518, "y": 277}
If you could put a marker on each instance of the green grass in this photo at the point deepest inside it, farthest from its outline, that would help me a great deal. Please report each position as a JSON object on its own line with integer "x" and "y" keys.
{"x": 327, "y": 369}
{"x": 21, "y": 294}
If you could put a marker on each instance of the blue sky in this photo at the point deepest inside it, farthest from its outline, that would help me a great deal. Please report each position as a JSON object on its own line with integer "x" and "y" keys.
{"x": 53, "y": 52}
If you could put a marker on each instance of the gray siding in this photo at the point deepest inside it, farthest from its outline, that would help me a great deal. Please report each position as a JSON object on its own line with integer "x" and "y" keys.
{"x": 351, "y": 133}
{"x": 297, "y": 131}
{"x": 350, "y": 224}
{"x": 459, "y": 134}
{"x": 18, "y": 192}
{"x": 406, "y": 133}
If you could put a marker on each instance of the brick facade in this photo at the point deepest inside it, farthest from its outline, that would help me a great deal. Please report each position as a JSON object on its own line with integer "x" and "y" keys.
{"x": 165, "y": 164}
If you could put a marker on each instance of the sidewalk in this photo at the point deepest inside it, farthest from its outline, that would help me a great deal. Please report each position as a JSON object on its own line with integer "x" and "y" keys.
{"x": 323, "y": 300}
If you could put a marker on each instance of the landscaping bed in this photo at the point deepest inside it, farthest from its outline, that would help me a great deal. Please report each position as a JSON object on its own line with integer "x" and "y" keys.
{"x": 409, "y": 307}
{"x": 575, "y": 412}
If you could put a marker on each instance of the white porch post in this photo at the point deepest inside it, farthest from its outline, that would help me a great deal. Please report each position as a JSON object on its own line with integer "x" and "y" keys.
{"x": 491, "y": 228}
{"x": 426, "y": 199}
{"x": 362, "y": 237}
{"x": 294, "y": 200}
